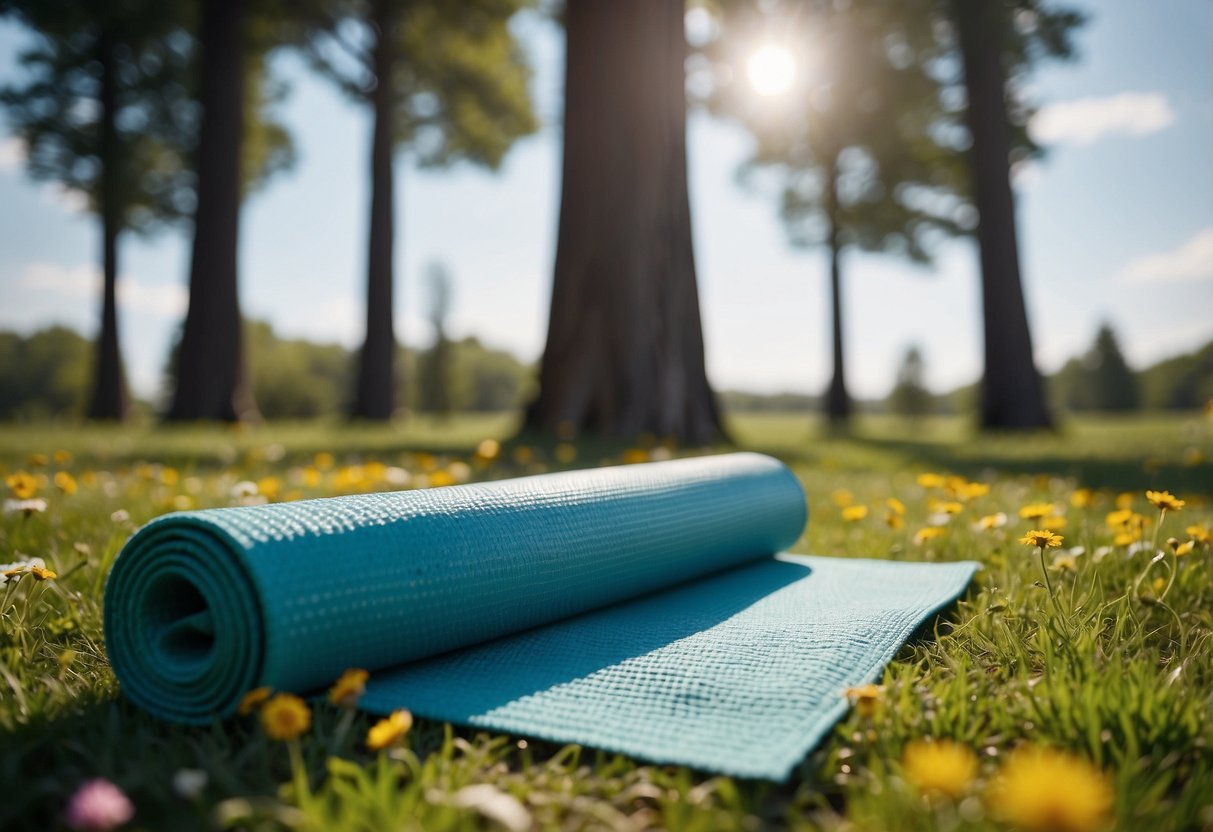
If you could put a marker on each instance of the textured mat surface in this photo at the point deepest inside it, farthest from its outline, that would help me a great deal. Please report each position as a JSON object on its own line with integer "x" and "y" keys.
{"x": 636, "y": 609}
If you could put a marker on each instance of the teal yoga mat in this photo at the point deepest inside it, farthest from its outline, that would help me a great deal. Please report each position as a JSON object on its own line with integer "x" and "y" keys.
{"x": 643, "y": 609}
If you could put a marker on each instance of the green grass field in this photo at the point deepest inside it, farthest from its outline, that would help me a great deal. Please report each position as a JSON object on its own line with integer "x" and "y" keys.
{"x": 1106, "y": 656}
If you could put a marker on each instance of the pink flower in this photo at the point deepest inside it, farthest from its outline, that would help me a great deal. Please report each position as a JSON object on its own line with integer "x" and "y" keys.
{"x": 98, "y": 806}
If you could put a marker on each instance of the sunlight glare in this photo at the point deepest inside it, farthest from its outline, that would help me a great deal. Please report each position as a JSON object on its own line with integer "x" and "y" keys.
{"x": 771, "y": 70}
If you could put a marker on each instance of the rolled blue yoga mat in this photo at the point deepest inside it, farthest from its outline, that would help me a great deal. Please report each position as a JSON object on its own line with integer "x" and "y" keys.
{"x": 634, "y": 609}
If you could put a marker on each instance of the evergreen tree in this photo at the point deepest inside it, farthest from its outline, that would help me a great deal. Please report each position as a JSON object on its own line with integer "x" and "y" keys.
{"x": 910, "y": 396}
{"x": 435, "y": 370}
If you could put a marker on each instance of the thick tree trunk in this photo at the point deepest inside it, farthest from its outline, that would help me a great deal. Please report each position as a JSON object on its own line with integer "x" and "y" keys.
{"x": 624, "y": 352}
{"x": 211, "y": 378}
{"x": 109, "y": 401}
{"x": 1011, "y": 392}
{"x": 375, "y": 396}
{"x": 838, "y": 402}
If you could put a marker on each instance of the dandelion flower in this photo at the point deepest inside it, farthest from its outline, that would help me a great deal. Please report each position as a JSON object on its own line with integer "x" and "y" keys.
{"x": 894, "y": 520}
{"x": 930, "y": 480}
{"x": 348, "y": 688}
{"x": 928, "y": 533}
{"x": 253, "y": 700}
{"x": 864, "y": 698}
{"x": 1120, "y": 517}
{"x": 1046, "y": 790}
{"x": 1037, "y": 511}
{"x": 36, "y": 460}
{"x": 98, "y": 806}
{"x": 41, "y": 573}
{"x": 1165, "y": 500}
{"x": 854, "y": 513}
{"x": 1198, "y": 533}
{"x": 972, "y": 490}
{"x": 22, "y": 484}
{"x": 285, "y": 716}
{"x": 66, "y": 483}
{"x": 941, "y": 767}
{"x": 842, "y": 497}
{"x": 389, "y": 731}
{"x": 36, "y": 505}
{"x": 62, "y": 457}
{"x": 1082, "y": 498}
{"x": 990, "y": 521}
{"x": 896, "y": 506}
{"x": 1053, "y": 522}
{"x": 1181, "y": 549}
{"x": 1042, "y": 538}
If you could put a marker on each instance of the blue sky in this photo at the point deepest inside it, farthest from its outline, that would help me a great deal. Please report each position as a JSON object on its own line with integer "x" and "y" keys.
{"x": 1116, "y": 224}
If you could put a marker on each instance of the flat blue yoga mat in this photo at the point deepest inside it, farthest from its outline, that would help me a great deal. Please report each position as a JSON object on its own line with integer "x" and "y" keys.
{"x": 642, "y": 609}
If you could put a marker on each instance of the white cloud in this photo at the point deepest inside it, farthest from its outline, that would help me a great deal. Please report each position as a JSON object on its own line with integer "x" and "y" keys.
{"x": 1084, "y": 121}
{"x": 1193, "y": 260}
{"x": 166, "y": 300}
{"x": 12, "y": 153}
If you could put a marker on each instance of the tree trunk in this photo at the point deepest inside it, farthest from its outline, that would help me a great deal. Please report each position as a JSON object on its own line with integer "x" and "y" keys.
{"x": 109, "y": 401}
{"x": 375, "y": 395}
{"x": 211, "y": 378}
{"x": 838, "y": 402}
{"x": 1011, "y": 390}
{"x": 624, "y": 353}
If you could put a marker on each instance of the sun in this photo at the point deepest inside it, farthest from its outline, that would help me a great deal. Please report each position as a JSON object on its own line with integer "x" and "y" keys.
{"x": 771, "y": 70}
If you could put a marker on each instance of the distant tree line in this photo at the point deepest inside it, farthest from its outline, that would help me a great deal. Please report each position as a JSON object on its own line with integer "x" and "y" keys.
{"x": 46, "y": 375}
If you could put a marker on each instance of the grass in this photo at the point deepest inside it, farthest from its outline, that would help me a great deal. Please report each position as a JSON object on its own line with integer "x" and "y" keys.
{"x": 1115, "y": 666}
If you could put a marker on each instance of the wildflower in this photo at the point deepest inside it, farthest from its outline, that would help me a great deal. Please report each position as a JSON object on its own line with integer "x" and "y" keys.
{"x": 323, "y": 460}
{"x": 865, "y": 699}
{"x": 940, "y": 767}
{"x": 951, "y": 507}
{"x": 36, "y": 460}
{"x": 1036, "y": 511}
{"x": 61, "y": 457}
{"x": 269, "y": 487}
{"x": 972, "y": 490}
{"x": 188, "y": 783}
{"x": 37, "y": 505}
{"x": 243, "y": 489}
{"x": 842, "y": 497}
{"x": 1127, "y": 538}
{"x": 98, "y": 806}
{"x": 170, "y": 477}
{"x": 32, "y": 566}
{"x": 854, "y": 513}
{"x": 1198, "y": 533}
{"x": 1065, "y": 561}
{"x": 1120, "y": 517}
{"x": 253, "y": 700}
{"x": 894, "y": 520}
{"x": 896, "y": 506}
{"x": 285, "y": 716}
{"x": 389, "y": 731}
{"x": 1043, "y": 538}
{"x": 23, "y": 485}
{"x": 66, "y": 483}
{"x": 1181, "y": 549}
{"x": 1053, "y": 522}
{"x": 1124, "y": 499}
{"x": 928, "y": 533}
{"x": 990, "y": 521}
{"x": 41, "y": 573}
{"x": 348, "y": 688}
{"x": 441, "y": 477}
{"x": 1046, "y": 790}
{"x": 566, "y": 453}
{"x": 488, "y": 449}
{"x": 930, "y": 480}
{"x": 1165, "y": 500}
{"x": 1082, "y": 498}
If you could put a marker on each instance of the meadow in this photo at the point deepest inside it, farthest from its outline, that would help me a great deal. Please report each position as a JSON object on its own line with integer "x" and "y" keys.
{"x": 1070, "y": 689}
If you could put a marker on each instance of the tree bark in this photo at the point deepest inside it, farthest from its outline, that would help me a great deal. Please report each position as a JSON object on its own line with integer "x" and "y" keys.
{"x": 109, "y": 402}
{"x": 838, "y": 402}
{"x": 375, "y": 396}
{"x": 1011, "y": 392}
{"x": 211, "y": 377}
{"x": 624, "y": 353}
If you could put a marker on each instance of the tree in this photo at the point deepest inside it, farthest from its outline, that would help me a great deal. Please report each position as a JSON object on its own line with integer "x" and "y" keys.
{"x": 447, "y": 81}
{"x": 624, "y": 352}
{"x": 850, "y": 142}
{"x": 435, "y": 369}
{"x": 238, "y": 147}
{"x": 1101, "y": 379}
{"x": 998, "y": 43}
{"x": 910, "y": 396}
{"x": 103, "y": 110}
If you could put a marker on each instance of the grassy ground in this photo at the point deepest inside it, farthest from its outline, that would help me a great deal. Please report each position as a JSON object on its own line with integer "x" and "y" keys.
{"x": 1111, "y": 660}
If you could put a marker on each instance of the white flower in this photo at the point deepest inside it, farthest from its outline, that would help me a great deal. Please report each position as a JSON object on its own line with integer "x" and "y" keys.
{"x": 244, "y": 488}
{"x": 20, "y": 567}
{"x": 188, "y": 783}
{"x": 37, "y": 505}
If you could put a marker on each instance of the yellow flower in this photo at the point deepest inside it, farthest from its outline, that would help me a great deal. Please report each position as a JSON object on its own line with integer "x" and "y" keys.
{"x": 1053, "y": 522}
{"x": 630, "y": 457}
{"x": 1164, "y": 500}
{"x": 285, "y": 716}
{"x": 1127, "y": 538}
{"x": 310, "y": 476}
{"x": 941, "y": 767}
{"x": 323, "y": 460}
{"x": 951, "y": 507}
{"x": 66, "y": 483}
{"x": 972, "y": 490}
{"x": 990, "y": 521}
{"x": 389, "y": 731}
{"x": 1046, "y": 790}
{"x": 930, "y": 480}
{"x": 1035, "y": 511}
{"x": 1181, "y": 549}
{"x": 894, "y": 520}
{"x": 853, "y": 513}
{"x": 488, "y": 449}
{"x": 842, "y": 497}
{"x": 441, "y": 477}
{"x": 864, "y": 698}
{"x": 1120, "y": 517}
{"x": 348, "y": 688}
{"x": 1198, "y": 533}
{"x": 928, "y": 533}
{"x": 42, "y": 573}
{"x": 1124, "y": 499}
{"x": 35, "y": 460}
{"x": 1082, "y": 498}
{"x": 566, "y": 453}
{"x": 62, "y": 457}
{"x": 1043, "y": 538}
{"x": 896, "y": 506}
{"x": 170, "y": 477}
{"x": 253, "y": 700}
{"x": 22, "y": 484}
